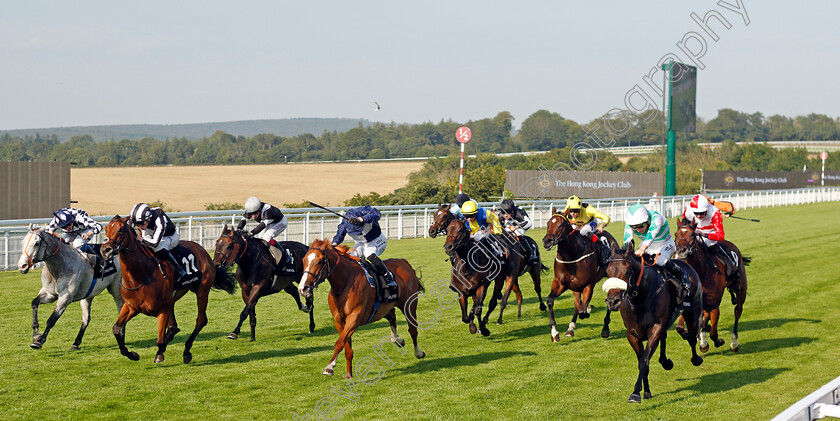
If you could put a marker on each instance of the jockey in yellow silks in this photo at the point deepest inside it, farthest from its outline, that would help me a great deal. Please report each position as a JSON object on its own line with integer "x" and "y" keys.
{"x": 479, "y": 220}
{"x": 585, "y": 219}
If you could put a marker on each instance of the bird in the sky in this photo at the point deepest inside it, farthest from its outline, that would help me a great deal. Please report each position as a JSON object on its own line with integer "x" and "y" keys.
{"x": 377, "y": 106}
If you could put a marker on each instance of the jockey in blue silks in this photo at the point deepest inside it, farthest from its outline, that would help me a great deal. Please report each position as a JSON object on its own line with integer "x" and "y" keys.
{"x": 362, "y": 224}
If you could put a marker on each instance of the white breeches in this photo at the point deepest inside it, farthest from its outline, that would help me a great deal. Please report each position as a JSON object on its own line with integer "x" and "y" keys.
{"x": 376, "y": 246}
{"x": 665, "y": 249}
{"x": 75, "y": 240}
{"x": 273, "y": 231}
{"x": 169, "y": 242}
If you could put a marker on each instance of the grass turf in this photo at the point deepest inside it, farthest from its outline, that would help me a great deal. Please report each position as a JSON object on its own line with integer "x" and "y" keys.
{"x": 789, "y": 349}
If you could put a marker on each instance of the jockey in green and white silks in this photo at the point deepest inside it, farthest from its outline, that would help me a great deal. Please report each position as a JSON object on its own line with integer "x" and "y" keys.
{"x": 652, "y": 228}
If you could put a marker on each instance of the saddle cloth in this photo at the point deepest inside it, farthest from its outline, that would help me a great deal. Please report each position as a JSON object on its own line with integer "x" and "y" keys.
{"x": 188, "y": 262}
{"x": 389, "y": 294}
{"x": 108, "y": 267}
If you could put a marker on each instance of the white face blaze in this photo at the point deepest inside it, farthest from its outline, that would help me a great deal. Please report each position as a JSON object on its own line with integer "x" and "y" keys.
{"x": 30, "y": 240}
{"x": 309, "y": 260}
{"x": 553, "y": 220}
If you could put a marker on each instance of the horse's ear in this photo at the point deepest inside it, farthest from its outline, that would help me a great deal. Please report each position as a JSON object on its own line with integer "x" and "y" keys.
{"x": 631, "y": 247}
{"x": 225, "y": 230}
{"x": 554, "y": 210}
{"x": 32, "y": 227}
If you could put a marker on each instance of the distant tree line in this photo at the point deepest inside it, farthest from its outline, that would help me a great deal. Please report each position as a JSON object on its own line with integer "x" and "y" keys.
{"x": 541, "y": 131}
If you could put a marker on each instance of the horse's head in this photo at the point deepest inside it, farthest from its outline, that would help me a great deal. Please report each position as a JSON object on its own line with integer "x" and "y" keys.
{"x": 558, "y": 229}
{"x": 685, "y": 241}
{"x": 35, "y": 248}
{"x": 440, "y": 220}
{"x": 318, "y": 263}
{"x": 229, "y": 247}
{"x": 619, "y": 276}
{"x": 457, "y": 234}
{"x": 118, "y": 234}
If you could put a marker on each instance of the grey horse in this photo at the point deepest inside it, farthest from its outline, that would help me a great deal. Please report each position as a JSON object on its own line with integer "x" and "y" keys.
{"x": 67, "y": 277}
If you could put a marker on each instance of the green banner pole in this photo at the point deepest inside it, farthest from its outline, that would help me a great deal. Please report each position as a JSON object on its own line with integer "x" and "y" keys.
{"x": 671, "y": 166}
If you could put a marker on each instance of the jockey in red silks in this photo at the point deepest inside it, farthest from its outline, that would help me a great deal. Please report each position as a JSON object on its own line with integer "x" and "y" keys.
{"x": 708, "y": 222}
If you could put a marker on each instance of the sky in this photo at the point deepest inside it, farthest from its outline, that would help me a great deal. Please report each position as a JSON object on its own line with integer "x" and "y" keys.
{"x": 175, "y": 62}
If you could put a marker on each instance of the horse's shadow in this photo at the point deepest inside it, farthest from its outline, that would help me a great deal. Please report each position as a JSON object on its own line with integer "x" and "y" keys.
{"x": 722, "y": 382}
{"x": 772, "y": 323}
{"x": 262, "y": 355}
{"x": 774, "y": 344}
{"x": 427, "y": 365}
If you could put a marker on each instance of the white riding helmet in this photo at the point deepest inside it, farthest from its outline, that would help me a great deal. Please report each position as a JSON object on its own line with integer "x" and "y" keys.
{"x": 252, "y": 204}
{"x": 637, "y": 215}
{"x": 702, "y": 203}
{"x": 140, "y": 213}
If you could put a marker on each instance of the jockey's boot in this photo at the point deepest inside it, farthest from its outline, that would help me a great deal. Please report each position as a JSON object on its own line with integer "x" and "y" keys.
{"x": 165, "y": 254}
{"x": 386, "y": 275}
{"x": 725, "y": 257}
{"x": 276, "y": 252}
{"x": 528, "y": 250}
{"x": 682, "y": 286}
{"x": 604, "y": 247}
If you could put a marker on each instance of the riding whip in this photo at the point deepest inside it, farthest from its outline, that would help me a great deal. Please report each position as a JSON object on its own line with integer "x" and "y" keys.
{"x": 745, "y": 219}
{"x": 329, "y": 210}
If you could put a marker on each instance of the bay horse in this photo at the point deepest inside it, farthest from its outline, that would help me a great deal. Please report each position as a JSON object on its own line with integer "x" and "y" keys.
{"x": 576, "y": 268}
{"x": 146, "y": 290}
{"x": 442, "y": 218}
{"x": 715, "y": 279}
{"x": 647, "y": 303}
{"x": 353, "y": 301}
{"x": 257, "y": 273}
{"x": 67, "y": 277}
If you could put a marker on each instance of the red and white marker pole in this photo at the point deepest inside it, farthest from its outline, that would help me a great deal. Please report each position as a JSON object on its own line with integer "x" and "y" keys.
{"x": 823, "y": 156}
{"x": 463, "y": 135}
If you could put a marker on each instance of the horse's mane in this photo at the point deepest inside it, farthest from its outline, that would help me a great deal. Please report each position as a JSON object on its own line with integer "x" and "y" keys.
{"x": 325, "y": 244}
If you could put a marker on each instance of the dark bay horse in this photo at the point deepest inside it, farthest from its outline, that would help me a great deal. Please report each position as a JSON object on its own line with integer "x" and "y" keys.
{"x": 353, "y": 301}
{"x": 576, "y": 268}
{"x": 257, "y": 273}
{"x": 715, "y": 279}
{"x": 441, "y": 221}
{"x": 648, "y": 306}
{"x": 146, "y": 290}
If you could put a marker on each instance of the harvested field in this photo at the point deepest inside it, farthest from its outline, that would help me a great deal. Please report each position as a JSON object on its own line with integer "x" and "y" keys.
{"x": 108, "y": 191}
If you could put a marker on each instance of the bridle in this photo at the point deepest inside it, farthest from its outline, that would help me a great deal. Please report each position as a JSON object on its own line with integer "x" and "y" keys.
{"x": 562, "y": 235}
{"x": 325, "y": 263}
{"x": 119, "y": 244}
{"x": 41, "y": 246}
{"x": 441, "y": 229}
{"x": 226, "y": 258}
{"x": 690, "y": 245}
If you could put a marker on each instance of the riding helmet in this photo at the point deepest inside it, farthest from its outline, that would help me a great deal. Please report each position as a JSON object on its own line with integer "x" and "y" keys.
{"x": 64, "y": 218}
{"x": 140, "y": 213}
{"x": 252, "y": 204}
{"x": 574, "y": 203}
{"x": 637, "y": 215}
{"x": 469, "y": 208}
{"x": 461, "y": 198}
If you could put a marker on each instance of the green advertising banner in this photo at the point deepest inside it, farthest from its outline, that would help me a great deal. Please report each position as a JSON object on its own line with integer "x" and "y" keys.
{"x": 682, "y": 101}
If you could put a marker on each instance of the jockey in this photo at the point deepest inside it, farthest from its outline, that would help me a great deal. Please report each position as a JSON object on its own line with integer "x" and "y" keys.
{"x": 271, "y": 223}
{"x": 78, "y": 229}
{"x": 158, "y": 233}
{"x": 708, "y": 221}
{"x": 459, "y": 202}
{"x": 652, "y": 228}
{"x": 585, "y": 219}
{"x": 516, "y": 220}
{"x": 482, "y": 223}
{"x": 362, "y": 224}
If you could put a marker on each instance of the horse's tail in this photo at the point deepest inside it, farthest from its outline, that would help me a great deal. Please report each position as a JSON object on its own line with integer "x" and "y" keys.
{"x": 543, "y": 268}
{"x": 225, "y": 280}
{"x": 746, "y": 260}
{"x": 419, "y": 274}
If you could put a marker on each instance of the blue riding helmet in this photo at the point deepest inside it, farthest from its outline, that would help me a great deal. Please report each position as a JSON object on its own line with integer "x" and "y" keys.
{"x": 64, "y": 218}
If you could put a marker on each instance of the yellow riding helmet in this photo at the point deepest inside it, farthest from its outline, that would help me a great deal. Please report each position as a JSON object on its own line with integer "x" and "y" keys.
{"x": 574, "y": 203}
{"x": 469, "y": 208}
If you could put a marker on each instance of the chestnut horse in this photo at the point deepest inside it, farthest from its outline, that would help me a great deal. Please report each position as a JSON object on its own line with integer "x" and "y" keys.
{"x": 146, "y": 290}
{"x": 576, "y": 268}
{"x": 647, "y": 302}
{"x": 443, "y": 218}
{"x": 714, "y": 277}
{"x": 257, "y": 273}
{"x": 353, "y": 301}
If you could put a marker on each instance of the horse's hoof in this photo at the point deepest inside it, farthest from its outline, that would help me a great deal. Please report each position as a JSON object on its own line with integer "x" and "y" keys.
{"x": 35, "y": 345}
{"x": 697, "y": 360}
{"x": 485, "y": 331}
{"x": 704, "y": 348}
{"x": 133, "y": 356}
{"x": 473, "y": 329}
{"x": 667, "y": 364}
{"x": 400, "y": 342}
{"x": 328, "y": 372}
{"x": 543, "y": 307}
{"x": 634, "y": 398}
{"x": 421, "y": 355}
{"x": 304, "y": 309}
{"x": 232, "y": 336}
{"x": 648, "y": 395}
{"x": 570, "y": 333}
{"x": 74, "y": 347}
{"x": 311, "y": 330}
{"x": 253, "y": 338}
{"x": 605, "y": 333}
{"x": 158, "y": 358}
{"x": 187, "y": 358}
{"x": 498, "y": 322}
{"x": 707, "y": 328}
{"x": 719, "y": 342}
{"x": 555, "y": 338}
{"x": 734, "y": 347}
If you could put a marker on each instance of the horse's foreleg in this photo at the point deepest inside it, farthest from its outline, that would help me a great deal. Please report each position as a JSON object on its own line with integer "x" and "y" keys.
{"x": 329, "y": 370}
{"x": 605, "y": 331}
{"x": 126, "y": 314}
{"x": 478, "y": 303}
{"x": 411, "y": 310}
{"x": 656, "y": 333}
{"x": 292, "y": 290}
{"x": 713, "y": 335}
{"x": 663, "y": 356}
{"x": 311, "y": 314}
{"x": 165, "y": 320}
{"x": 518, "y": 293}
{"x": 557, "y": 288}
{"x": 60, "y": 306}
{"x": 43, "y": 297}
{"x": 505, "y": 294}
{"x": 352, "y": 322}
{"x": 249, "y": 310}
{"x": 704, "y": 321}
{"x": 694, "y": 322}
{"x": 200, "y": 320}
{"x": 637, "y": 346}
{"x": 85, "y": 304}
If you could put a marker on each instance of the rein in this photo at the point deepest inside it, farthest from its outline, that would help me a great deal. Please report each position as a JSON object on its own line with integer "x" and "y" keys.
{"x": 30, "y": 259}
{"x": 557, "y": 258}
